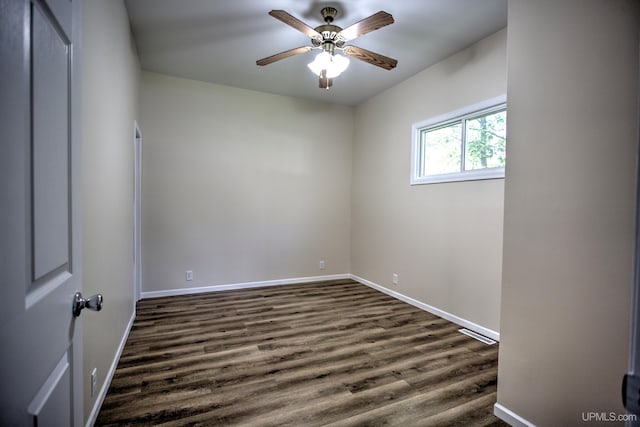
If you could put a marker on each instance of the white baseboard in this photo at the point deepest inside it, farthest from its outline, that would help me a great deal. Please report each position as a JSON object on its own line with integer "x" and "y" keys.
{"x": 246, "y": 285}
{"x": 107, "y": 381}
{"x": 510, "y": 417}
{"x": 426, "y": 307}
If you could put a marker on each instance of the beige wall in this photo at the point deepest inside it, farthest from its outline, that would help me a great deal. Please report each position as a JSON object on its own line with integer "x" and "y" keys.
{"x": 110, "y": 92}
{"x": 569, "y": 206}
{"x": 241, "y": 186}
{"x": 443, "y": 240}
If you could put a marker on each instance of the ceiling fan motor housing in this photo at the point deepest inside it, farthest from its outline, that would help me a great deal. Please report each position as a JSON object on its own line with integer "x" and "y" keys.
{"x": 330, "y": 33}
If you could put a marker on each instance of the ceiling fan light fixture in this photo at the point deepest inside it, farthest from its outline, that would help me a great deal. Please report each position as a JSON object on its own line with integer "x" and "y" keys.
{"x": 334, "y": 64}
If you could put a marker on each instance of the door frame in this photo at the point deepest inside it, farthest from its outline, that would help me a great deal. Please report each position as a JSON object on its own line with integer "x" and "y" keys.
{"x": 137, "y": 213}
{"x": 631, "y": 382}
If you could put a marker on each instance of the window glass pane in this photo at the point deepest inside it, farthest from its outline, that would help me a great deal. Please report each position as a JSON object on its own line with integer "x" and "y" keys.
{"x": 442, "y": 150}
{"x": 485, "y": 141}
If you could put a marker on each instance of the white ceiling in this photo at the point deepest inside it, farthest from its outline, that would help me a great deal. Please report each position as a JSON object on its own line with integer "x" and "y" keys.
{"x": 219, "y": 41}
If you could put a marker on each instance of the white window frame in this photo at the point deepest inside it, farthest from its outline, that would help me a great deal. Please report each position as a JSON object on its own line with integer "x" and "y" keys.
{"x": 486, "y": 106}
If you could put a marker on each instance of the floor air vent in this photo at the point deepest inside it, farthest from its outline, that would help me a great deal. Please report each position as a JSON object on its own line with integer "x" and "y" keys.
{"x": 477, "y": 336}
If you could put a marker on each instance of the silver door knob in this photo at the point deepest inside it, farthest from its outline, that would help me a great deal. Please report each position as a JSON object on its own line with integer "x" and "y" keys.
{"x": 93, "y": 303}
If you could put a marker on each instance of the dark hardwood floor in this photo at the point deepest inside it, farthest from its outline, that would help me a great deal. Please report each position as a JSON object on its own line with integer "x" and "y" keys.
{"x": 330, "y": 353}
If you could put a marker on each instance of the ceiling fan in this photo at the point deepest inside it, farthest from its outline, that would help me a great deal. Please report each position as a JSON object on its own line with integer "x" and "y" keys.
{"x": 331, "y": 38}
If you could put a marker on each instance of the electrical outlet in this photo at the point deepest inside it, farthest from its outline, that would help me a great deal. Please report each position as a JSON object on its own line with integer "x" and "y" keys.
{"x": 94, "y": 381}
{"x": 188, "y": 275}
{"x": 322, "y": 265}
{"x": 395, "y": 279}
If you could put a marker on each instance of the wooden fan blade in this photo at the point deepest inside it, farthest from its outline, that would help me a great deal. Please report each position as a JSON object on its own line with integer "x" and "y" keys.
{"x": 325, "y": 83}
{"x": 294, "y": 22}
{"x": 370, "y": 57}
{"x": 282, "y": 55}
{"x": 375, "y": 21}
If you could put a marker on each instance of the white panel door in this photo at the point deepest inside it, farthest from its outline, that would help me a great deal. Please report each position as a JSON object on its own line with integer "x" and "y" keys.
{"x": 40, "y": 370}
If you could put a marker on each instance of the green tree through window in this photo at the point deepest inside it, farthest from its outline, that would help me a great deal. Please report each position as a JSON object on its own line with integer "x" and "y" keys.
{"x": 486, "y": 141}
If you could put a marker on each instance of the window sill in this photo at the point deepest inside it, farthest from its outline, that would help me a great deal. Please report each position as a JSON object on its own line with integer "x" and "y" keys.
{"x": 474, "y": 175}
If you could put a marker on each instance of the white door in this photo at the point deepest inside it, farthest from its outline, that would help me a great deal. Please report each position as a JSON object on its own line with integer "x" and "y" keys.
{"x": 40, "y": 339}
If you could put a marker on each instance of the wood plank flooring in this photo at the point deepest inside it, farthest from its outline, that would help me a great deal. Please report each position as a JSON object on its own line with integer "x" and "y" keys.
{"x": 329, "y": 353}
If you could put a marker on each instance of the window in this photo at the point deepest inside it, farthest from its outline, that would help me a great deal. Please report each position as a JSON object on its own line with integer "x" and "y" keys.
{"x": 467, "y": 144}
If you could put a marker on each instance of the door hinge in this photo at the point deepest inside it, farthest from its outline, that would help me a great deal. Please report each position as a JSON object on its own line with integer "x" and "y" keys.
{"x": 631, "y": 393}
